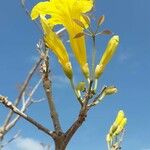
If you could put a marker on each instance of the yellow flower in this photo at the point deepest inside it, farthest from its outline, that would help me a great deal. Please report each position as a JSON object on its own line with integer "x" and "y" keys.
{"x": 55, "y": 44}
{"x": 109, "y": 52}
{"x": 63, "y": 12}
{"x": 117, "y": 127}
{"x": 121, "y": 126}
{"x": 119, "y": 118}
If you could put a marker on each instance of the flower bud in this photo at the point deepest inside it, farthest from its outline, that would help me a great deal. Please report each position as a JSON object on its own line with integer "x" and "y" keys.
{"x": 80, "y": 86}
{"x": 112, "y": 129}
{"x": 110, "y": 90}
{"x": 98, "y": 71}
{"x": 109, "y": 52}
{"x": 121, "y": 126}
{"x": 68, "y": 70}
{"x": 85, "y": 70}
{"x": 119, "y": 118}
{"x": 108, "y": 138}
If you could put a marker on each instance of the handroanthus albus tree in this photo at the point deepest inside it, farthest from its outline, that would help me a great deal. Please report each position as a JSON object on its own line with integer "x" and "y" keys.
{"x": 74, "y": 16}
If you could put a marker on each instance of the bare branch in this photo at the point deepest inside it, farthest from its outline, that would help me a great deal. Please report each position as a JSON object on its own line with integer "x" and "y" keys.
{"x": 23, "y": 88}
{"x": 9, "y": 105}
{"x": 33, "y": 91}
{"x": 26, "y": 104}
{"x": 38, "y": 101}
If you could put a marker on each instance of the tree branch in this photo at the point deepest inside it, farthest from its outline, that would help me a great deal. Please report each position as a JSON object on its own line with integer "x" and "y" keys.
{"x": 25, "y": 105}
{"x": 23, "y": 88}
{"x": 71, "y": 131}
{"x": 14, "y": 109}
{"x": 47, "y": 84}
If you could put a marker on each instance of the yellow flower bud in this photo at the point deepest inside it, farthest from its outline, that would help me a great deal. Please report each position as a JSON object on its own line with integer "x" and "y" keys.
{"x": 98, "y": 71}
{"x": 80, "y": 86}
{"x": 119, "y": 118}
{"x": 117, "y": 127}
{"x": 108, "y": 138}
{"x": 109, "y": 52}
{"x": 112, "y": 129}
{"x": 110, "y": 90}
{"x": 121, "y": 126}
{"x": 85, "y": 70}
{"x": 68, "y": 70}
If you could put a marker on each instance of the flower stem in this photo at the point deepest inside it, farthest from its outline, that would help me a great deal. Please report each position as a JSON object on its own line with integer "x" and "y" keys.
{"x": 108, "y": 146}
{"x": 93, "y": 57}
{"x": 95, "y": 85}
{"x": 76, "y": 93}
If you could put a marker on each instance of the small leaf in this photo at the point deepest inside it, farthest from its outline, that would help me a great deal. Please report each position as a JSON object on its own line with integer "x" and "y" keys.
{"x": 78, "y": 22}
{"x": 106, "y": 32}
{"x": 86, "y": 18}
{"x": 80, "y": 34}
{"x": 101, "y": 20}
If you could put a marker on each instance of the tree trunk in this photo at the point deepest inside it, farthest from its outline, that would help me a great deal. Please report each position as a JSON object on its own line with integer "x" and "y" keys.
{"x": 60, "y": 145}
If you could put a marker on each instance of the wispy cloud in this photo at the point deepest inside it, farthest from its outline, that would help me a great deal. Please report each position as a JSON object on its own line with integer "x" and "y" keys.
{"x": 25, "y": 144}
{"x": 60, "y": 81}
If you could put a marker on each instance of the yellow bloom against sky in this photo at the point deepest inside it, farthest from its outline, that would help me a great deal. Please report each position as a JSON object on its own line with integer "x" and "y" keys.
{"x": 107, "y": 55}
{"x": 117, "y": 127}
{"x": 63, "y": 12}
{"x": 55, "y": 44}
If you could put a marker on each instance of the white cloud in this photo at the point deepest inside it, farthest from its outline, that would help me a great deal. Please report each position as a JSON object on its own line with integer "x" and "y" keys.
{"x": 28, "y": 144}
{"x": 25, "y": 144}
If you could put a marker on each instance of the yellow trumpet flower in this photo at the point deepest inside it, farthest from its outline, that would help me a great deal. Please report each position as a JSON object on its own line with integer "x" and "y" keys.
{"x": 109, "y": 52}
{"x": 64, "y": 12}
{"x": 55, "y": 44}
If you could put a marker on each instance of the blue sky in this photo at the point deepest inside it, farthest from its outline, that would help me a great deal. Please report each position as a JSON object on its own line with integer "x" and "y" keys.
{"x": 129, "y": 71}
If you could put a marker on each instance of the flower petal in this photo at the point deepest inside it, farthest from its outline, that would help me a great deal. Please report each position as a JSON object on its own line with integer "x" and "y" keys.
{"x": 41, "y": 8}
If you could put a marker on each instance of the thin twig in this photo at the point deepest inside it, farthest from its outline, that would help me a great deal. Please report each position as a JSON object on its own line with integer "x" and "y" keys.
{"x": 28, "y": 15}
{"x": 98, "y": 98}
{"x": 23, "y": 88}
{"x": 25, "y": 105}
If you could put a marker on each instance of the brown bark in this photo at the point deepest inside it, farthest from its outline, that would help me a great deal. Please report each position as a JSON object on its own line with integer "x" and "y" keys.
{"x": 47, "y": 84}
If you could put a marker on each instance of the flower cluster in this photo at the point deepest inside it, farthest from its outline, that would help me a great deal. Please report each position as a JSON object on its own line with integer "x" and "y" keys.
{"x": 116, "y": 129}
{"x": 66, "y": 12}
{"x": 63, "y": 12}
